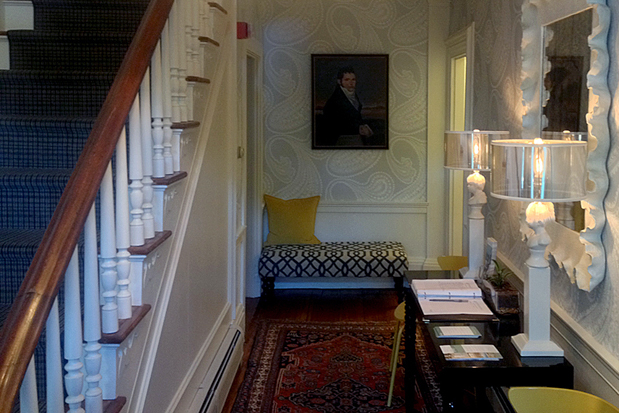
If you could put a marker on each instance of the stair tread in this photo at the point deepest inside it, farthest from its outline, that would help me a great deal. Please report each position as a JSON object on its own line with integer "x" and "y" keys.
{"x": 20, "y": 238}
{"x": 35, "y": 172}
{"x": 51, "y": 120}
{"x": 45, "y": 75}
{"x": 21, "y": 33}
{"x": 92, "y": 3}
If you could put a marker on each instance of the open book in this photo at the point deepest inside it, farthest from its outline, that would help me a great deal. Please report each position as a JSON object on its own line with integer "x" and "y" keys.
{"x": 446, "y": 288}
{"x": 468, "y": 352}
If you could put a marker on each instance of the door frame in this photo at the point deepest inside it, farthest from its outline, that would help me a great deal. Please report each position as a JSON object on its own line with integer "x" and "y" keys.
{"x": 254, "y": 158}
{"x": 460, "y": 44}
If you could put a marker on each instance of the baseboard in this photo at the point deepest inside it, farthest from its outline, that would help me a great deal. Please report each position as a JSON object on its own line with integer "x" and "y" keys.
{"x": 430, "y": 264}
{"x": 185, "y": 393}
{"x": 596, "y": 370}
{"x": 333, "y": 283}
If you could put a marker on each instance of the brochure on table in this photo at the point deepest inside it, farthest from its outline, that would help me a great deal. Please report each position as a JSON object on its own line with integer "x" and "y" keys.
{"x": 468, "y": 352}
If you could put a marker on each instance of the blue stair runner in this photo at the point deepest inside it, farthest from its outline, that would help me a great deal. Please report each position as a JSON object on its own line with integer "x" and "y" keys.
{"x": 60, "y": 75}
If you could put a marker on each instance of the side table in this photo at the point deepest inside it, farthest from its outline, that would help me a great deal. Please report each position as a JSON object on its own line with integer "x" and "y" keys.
{"x": 454, "y": 376}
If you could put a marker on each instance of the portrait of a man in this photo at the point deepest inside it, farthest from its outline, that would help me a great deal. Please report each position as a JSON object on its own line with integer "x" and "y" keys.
{"x": 349, "y": 101}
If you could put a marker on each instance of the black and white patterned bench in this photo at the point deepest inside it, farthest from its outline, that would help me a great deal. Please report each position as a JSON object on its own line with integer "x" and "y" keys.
{"x": 333, "y": 259}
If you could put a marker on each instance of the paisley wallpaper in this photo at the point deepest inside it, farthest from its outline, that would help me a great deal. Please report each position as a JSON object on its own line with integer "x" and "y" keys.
{"x": 497, "y": 98}
{"x": 294, "y": 29}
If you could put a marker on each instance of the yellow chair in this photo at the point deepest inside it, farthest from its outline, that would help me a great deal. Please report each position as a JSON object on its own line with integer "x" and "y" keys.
{"x": 452, "y": 262}
{"x": 398, "y": 314}
{"x": 555, "y": 400}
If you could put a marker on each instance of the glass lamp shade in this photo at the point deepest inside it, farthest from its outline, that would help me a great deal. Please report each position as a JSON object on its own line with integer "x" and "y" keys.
{"x": 470, "y": 150}
{"x": 566, "y": 135}
{"x": 540, "y": 170}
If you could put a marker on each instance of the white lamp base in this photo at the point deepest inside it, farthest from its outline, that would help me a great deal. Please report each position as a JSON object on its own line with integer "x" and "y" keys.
{"x": 531, "y": 348}
{"x": 471, "y": 273}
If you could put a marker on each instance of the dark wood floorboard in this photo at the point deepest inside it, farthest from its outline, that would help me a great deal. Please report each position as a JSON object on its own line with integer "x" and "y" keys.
{"x": 312, "y": 305}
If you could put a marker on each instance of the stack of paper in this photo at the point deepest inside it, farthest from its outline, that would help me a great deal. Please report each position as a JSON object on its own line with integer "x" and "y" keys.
{"x": 457, "y": 332}
{"x": 468, "y": 352}
{"x": 446, "y": 288}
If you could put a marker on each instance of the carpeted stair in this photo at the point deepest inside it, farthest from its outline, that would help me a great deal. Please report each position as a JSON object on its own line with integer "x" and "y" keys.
{"x": 60, "y": 75}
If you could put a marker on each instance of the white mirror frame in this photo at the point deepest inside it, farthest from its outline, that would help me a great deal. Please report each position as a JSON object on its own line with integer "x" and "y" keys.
{"x": 581, "y": 254}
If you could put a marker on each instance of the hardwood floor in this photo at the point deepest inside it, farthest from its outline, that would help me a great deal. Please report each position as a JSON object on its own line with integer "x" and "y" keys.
{"x": 312, "y": 305}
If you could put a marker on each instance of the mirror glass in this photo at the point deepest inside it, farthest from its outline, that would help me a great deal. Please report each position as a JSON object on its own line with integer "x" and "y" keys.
{"x": 565, "y": 96}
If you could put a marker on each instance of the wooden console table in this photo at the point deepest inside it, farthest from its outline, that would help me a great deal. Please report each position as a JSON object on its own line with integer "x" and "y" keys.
{"x": 455, "y": 376}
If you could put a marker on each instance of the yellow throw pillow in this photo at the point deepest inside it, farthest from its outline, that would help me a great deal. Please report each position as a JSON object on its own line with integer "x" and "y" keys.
{"x": 291, "y": 221}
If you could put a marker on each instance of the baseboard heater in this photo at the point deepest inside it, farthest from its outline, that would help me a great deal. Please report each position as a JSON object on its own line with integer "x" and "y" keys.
{"x": 213, "y": 391}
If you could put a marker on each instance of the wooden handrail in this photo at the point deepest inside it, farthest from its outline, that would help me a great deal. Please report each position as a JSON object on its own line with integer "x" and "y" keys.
{"x": 21, "y": 331}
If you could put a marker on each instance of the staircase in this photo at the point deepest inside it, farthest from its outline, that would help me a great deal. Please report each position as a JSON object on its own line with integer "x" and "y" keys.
{"x": 60, "y": 74}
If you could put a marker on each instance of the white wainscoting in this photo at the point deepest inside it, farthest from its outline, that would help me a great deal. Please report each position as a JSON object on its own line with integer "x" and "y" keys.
{"x": 405, "y": 223}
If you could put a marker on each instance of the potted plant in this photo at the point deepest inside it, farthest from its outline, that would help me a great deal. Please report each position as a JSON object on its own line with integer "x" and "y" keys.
{"x": 499, "y": 292}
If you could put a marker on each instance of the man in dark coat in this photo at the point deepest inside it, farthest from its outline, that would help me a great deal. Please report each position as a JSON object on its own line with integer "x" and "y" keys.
{"x": 342, "y": 112}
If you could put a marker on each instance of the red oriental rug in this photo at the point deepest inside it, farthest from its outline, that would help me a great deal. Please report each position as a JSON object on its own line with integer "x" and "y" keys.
{"x": 322, "y": 367}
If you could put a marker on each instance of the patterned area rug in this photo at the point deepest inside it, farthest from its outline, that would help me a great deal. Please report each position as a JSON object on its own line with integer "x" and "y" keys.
{"x": 323, "y": 367}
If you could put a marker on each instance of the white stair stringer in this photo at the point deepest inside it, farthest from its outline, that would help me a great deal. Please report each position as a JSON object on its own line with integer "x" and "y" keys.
{"x": 193, "y": 146}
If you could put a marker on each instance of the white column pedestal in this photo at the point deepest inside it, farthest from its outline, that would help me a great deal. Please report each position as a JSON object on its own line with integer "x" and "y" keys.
{"x": 535, "y": 341}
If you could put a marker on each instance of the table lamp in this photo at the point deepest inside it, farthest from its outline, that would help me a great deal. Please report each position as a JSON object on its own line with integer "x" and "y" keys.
{"x": 542, "y": 172}
{"x": 470, "y": 151}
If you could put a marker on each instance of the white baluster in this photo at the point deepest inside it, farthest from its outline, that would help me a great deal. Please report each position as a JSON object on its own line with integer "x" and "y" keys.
{"x": 195, "y": 34}
{"x": 190, "y": 87}
{"x": 135, "y": 175}
{"x": 167, "y": 104}
{"x": 28, "y": 399}
{"x": 173, "y": 53}
{"x": 92, "y": 318}
{"x": 189, "y": 36}
{"x": 147, "y": 157}
{"x": 157, "y": 113}
{"x": 176, "y": 149}
{"x": 203, "y": 13}
{"x": 190, "y": 58}
{"x": 74, "y": 379}
{"x": 53, "y": 361}
{"x": 182, "y": 70}
{"x": 123, "y": 266}
{"x": 211, "y": 25}
{"x": 109, "y": 312}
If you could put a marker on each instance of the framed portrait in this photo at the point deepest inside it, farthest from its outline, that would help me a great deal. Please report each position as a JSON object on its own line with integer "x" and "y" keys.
{"x": 350, "y": 101}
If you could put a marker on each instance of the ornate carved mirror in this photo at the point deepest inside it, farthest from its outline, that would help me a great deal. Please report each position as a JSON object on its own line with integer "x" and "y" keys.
{"x": 565, "y": 43}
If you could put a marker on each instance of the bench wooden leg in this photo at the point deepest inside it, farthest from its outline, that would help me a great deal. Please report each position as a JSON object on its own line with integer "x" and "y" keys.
{"x": 268, "y": 287}
{"x": 399, "y": 287}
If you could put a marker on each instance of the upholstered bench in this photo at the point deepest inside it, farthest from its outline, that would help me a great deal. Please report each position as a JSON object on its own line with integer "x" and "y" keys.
{"x": 333, "y": 259}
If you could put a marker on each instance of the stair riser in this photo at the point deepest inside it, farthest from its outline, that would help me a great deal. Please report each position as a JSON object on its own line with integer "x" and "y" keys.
{"x": 26, "y": 203}
{"x": 33, "y": 52}
{"x": 114, "y": 16}
{"x": 31, "y": 148}
{"x": 54, "y": 97}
